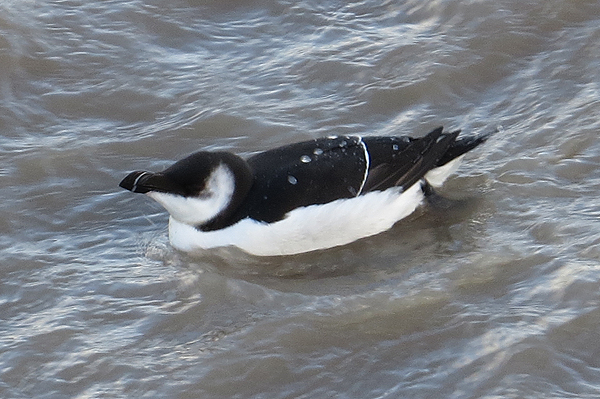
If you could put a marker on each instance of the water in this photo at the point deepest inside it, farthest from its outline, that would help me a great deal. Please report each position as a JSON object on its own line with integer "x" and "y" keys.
{"x": 493, "y": 295}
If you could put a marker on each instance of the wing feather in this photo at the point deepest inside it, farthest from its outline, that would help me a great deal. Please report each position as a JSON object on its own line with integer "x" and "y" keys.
{"x": 404, "y": 161}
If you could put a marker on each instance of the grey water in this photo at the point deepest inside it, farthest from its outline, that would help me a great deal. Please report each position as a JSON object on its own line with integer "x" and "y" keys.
{"x": 495, "y": 294}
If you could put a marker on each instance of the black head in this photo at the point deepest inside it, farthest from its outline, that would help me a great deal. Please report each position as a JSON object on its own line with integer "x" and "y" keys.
{"x": 198, "y": 188}
{"x": 187, "y": 177}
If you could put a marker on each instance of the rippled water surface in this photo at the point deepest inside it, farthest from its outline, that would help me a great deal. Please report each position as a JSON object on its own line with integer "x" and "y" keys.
{"x": 495, "y": 295}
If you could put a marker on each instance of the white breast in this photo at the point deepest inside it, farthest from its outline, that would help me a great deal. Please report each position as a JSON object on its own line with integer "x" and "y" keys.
{"x": 306, "y": 229}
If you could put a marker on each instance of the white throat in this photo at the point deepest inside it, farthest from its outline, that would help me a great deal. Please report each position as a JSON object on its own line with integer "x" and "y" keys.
{"x": 209, "y": 203}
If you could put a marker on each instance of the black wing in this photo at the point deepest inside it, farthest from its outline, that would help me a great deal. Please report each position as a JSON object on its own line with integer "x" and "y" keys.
{"x": 403, "y": 161}
{"x": 327, "y": 169}
{"x": 302, "y": 174}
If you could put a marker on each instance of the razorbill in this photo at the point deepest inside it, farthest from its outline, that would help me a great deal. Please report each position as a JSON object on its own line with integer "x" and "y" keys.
{"x": 301, "y": 197}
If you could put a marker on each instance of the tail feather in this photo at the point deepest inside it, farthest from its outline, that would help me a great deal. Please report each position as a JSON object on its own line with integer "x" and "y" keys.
{"x": 448, "y": 163}
{"x": 462, "y": 146}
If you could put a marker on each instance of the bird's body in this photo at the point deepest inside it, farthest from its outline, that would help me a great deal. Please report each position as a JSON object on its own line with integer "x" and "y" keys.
{"x": 301, "y": 197}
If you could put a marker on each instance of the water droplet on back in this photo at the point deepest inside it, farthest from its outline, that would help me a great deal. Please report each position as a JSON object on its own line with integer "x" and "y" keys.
{"x": 317, "y": 151}
{"x": 305, "y": 159}
{"x": 395, "y": 147}
{"x": 292, "y": 179}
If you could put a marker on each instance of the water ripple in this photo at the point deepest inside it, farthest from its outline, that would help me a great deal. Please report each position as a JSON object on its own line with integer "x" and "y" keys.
{"x": 496, "y": 295}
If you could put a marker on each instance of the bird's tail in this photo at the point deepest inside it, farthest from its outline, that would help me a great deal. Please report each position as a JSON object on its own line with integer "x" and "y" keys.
{"x": 462, "y": 146}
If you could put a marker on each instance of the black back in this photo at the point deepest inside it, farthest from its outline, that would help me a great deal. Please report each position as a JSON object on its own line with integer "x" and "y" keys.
{"x": 312, "y": 172}
{"x": 327, "y": 169}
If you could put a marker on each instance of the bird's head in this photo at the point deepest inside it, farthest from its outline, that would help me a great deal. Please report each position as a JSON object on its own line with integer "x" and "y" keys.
{"x": 196, "y": 189}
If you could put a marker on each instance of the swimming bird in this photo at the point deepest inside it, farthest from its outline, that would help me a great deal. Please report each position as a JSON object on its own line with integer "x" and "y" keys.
{"x": 301, "y": 197}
